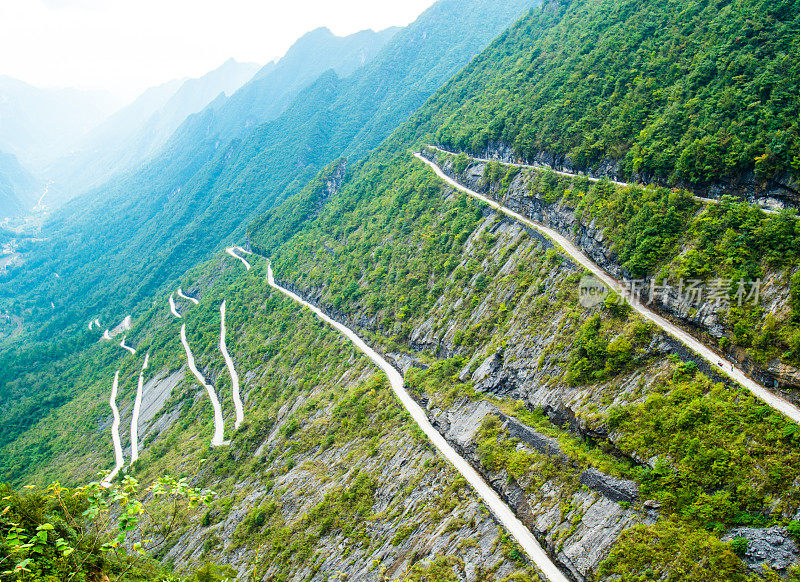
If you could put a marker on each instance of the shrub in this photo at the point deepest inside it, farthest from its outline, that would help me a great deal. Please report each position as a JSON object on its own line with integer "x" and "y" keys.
{"x": 670, "y": 550}
{"x": 739, "y": 545}
{"x": 794, "y": 529}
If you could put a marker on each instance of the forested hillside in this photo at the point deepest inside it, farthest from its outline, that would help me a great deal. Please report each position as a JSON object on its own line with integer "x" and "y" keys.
{"x": 497, "y": 323}
{"x": 327, "y": 474}
{"x": 109, "y": 253}
{"x": 628, "y": 456}
{"x": 490, "y": 314}
{"x": 276, "y": 85}
{"x": 17, "y": 187}
{"x": 679, "y": 92}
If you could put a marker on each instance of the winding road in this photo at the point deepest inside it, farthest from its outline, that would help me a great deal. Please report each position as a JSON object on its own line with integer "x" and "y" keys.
{"x": 218, "y": 439}
{"x": 137, "y": 407}
{"x": 172, "y": 307}
{"x": 124, "y": 346}
{"x": 119, "y": 460}
{"x": 184, "y": 296}
{"x": 498, "y": 507}
{"x": 232, "y": 252}
{"x": 237, "y": 399}
{"x": 590, "y": 178}
{"x": 729, "y": 368}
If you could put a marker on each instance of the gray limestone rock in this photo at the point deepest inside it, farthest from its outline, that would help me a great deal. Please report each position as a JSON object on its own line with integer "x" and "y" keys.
{"x": 771, "y": 546}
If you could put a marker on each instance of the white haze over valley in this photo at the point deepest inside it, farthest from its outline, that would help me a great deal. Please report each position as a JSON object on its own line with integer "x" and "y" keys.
{"x": 126, "y": 46}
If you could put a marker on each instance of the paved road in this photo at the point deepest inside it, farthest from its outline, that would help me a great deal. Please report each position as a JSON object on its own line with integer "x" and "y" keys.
{"x": 498, "y": 507}
{"x": 184, "y": 296}
{"x": 124, "y": 346}
{"x": 237, "y": 399}
{"x": 232, "y": 252}
{"x": 728, "y": 367}
{"x": 218, "y": 439}
{"x": 574, "y": 175}
{"x": 119, "y": 460}
{"x": 137, "y": 407}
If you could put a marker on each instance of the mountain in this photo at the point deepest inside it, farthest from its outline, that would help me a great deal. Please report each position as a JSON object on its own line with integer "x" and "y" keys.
{"x": 591, "y": 98}
{"x": 628, "y": 455}
{"x": 485, "y": 314}
{"x": 135, "y": 133}
{"x": 225, "y": 105}
{"x": 37, "y": 125}
{"x": 274, "y": 86}
{"x": 17, "y": 188}
{"x": 202, "y": 191}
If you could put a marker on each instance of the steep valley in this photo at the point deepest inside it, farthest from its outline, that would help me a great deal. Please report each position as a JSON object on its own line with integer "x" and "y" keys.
{"x": 306, "y": 455}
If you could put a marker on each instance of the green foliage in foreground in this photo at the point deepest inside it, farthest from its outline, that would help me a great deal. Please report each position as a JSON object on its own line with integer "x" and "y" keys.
{"x": 94, "y": 533}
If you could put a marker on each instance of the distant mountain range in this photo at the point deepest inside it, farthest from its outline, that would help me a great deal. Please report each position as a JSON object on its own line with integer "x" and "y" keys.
{"x": 203, "y": 189}
{"x": 36, "y": 125}
{"x": 275, "y": 85}
{"x": 139, "y": 130}
{"x": 17, "y": 187}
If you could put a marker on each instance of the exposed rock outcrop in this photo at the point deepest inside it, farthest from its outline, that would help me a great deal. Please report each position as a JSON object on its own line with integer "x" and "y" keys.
{"x": 580, "y": 538}
{"x": 701, "y": 320}
{"x": 772, "y": 546}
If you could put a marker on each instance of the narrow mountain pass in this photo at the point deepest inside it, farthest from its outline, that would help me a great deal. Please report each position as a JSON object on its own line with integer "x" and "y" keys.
{"x": 498, "y": 507}
{"x": 218, "y": 439}
{"x": 237, "y": 399}
{"x": 137, "y": 408}
{"x": 542, "y": 167}
{"x": 718, "y": 361}
{"x": 119, "y": 460}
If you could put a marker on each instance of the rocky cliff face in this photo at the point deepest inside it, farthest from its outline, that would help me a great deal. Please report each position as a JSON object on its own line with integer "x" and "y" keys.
{"x": 576, "y": 511}
{"x": 577, "y": 521}
{"x": 776, "y": 193}
{"x": 704, "y": 321}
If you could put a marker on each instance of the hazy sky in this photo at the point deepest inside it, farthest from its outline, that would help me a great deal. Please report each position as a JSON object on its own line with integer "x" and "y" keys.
{"x": 128, "y": 45}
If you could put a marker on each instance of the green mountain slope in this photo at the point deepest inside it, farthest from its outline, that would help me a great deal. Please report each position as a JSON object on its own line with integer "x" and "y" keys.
{"x": 178, "y": 209}
{"x": 501, "y": 318}
{"x": 17, "y": 188}
{"x": 631, "y": 458}
{"x": 327, "y": 472}
{"x": 425, "y": 273}
{"x": 274, "y": 87}
{"x": 113, "y": 250}
{"x": 680, "y": 92}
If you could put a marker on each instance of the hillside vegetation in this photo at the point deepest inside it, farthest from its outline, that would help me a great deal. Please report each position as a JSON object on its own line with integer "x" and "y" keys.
{"x": 428, "y": 273}
{"x": 385, "y": 252}
{"x": 679, "y": 91}
{"x": 629, "y": 458}
{"x": 108, "y": 254}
